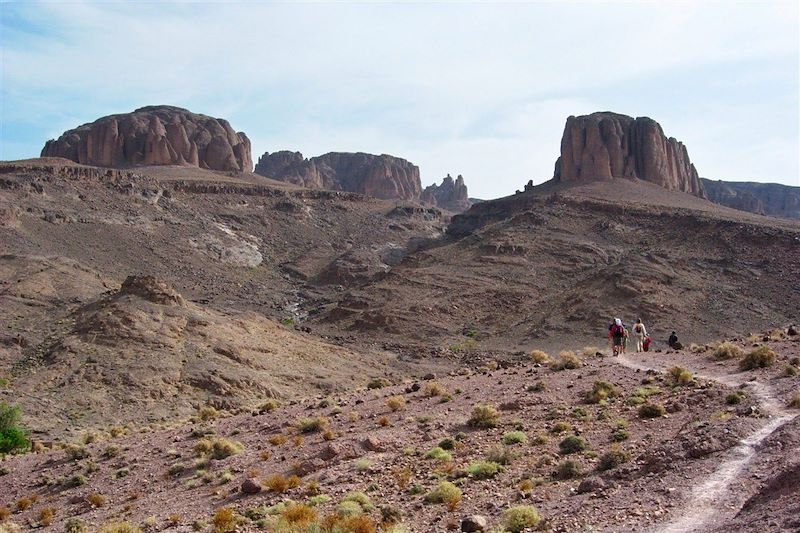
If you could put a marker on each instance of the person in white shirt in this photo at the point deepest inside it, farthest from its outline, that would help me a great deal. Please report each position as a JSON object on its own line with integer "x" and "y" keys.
{"x": 639, "y": 333}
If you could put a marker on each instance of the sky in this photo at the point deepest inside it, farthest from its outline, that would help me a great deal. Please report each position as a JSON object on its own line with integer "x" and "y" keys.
{"x": 471, "y": 88}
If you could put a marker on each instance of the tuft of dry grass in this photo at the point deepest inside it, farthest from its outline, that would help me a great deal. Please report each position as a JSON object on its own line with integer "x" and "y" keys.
{"x": 46, "y": 516}
{"x": 299, "y": 514}
{"x": 601, "y": 391}
{"x": 311, "y": 425}
{"x": 761, "y": 357}
{"x": 567, "y": 360}
{"x": 96, "y": 500}
{"x": 727, "y": 350}
{"x": 434, "y": 388}
{"x": 652, "y": 410}
{"x": 794, "y": 401}
{"x": 396, "y": 403}
{"x": 280, "y": 483}
{"x": 225, "y": 520}
{"x": 679, "y": 376}
{"x": 384, "y": 422}
{"x": 402, "y": 476}
{"x": 538, "y": 356}
{"x": 484, "y": 416}
{"x": 278, "y": 440}
{"x": 217, "y": 447}
{"x": 445, "y": 492}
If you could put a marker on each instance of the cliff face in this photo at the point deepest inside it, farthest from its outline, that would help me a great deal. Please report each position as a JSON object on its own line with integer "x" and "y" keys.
{"x": 381, "y": 176}
{"x": 608, "y": 145}
{"x": 155, "y": 135}
{"x": 763, "y": 198}
{"x": 451, "y": 195}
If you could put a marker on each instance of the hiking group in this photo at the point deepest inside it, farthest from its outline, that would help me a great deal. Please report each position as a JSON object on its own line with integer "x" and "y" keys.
{"x": 618, "y": 334}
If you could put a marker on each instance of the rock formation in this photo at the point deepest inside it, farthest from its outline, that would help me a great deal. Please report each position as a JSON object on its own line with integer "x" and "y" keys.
{"x": 451, "y": 195}
{"x": 608, "y": 145}
{"x": 763, "y": 198}
{"x": 381, "y": 176}
{"x": 155, "y": 135}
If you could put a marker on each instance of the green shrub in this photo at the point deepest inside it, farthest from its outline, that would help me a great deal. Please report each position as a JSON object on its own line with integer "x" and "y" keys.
{"x": 500, "y": 454}
{"x": 734, "y": 398}
{"x": 761, "y": 357}
{"x": 559, "y": 427}
{"x": 515, "y": 437}
{"x": 484, "y": 416}
{"x": 569, "y": 469}
{"x": 612, "y": 459}
{"x": 446, "y": 493}
{"x": 601, "y": 391}
{"x": 572, "y": 444}
{"x": 521, "y": 517}
{"x": 361, "y": 499}
{"x": 447, "y": 443}
{"x": 484, "y": 469}
{"x": 439, "y": 454}
{"x": 727, "y": 350}
{"x": 652, "y": 410}
{"x": 620, "y": 435}
{"x": 13, "y": 437}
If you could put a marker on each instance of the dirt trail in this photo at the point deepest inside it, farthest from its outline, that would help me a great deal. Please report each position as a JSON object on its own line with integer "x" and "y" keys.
{"x": 713, "y": 496}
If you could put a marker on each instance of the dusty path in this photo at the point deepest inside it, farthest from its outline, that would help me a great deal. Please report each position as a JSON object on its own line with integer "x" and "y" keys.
{"x": 712, "y": 497}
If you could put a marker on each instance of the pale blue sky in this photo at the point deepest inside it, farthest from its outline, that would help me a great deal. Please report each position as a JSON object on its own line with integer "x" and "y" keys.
{"x": 476, "y": 89}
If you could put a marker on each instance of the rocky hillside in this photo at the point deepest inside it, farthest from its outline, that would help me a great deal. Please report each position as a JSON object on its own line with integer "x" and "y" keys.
{"x": 763, "y": 198}
{"x": 155, "y": 135}
{"x": 451, "y": 195}
{"x": 380, "y": 176}
{"x": 606, "y": 145}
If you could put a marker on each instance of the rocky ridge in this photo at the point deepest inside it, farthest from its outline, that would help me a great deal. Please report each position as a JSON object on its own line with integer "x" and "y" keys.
{"x": 155, "y": 135}
{"x": 606, "y": 145}
{"x": 771, "y": 199}
{"x": 451, "y": 195}
{"x": 382, "y": 176}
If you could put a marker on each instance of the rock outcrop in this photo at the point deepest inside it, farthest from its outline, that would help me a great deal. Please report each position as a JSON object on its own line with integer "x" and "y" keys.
{"x": 771, "y": 199}
{"x": 608, "y": 145}
{"x": 381, "y": 176}
{"x": 451, "y": 195}
{"x": 155, "y": 135}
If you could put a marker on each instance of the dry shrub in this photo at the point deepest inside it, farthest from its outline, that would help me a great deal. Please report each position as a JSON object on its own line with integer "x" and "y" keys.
{"x": 121, "y": 527}
{"x": 679, "y": 376}
{"x": 269, "y": 405}
{"x": 434, "y": 388}
{"x": 652, "y": 410}
{"x": 174, "y": 519}
{"x": 538, "y": 356}
{"x": 328, "y": 435}
{"x": 569, "y": 469}
{"x": 264, "y": 455}
{"x": 46, "y": 516}
{"x": 589, "y": 351}
{"x": 225, "y": 520}
{"x": 311, "y": 425}
{"x": 384, "y": 422}
{"x": 484, "y": 416}
{"x": 218, "y": 447}
{"x": 727, "y": 350}
{"x": 277, "y": 440}
{"x": 567, "y": 360}
{"x": 208, "y": 413}
{"x": 353, "y": 416}
{"x": 612, "y": 459}
{"x": 299, "y": 514}
{"x": 396, "y": 403}
{"x": 761, "y": 357}
{"x": 298, "y": 441}
{"x": 96, "y": 499}
{"x": 25, "y": 502}
{"x": 794, "y": 401}
{"x": 5, "y": 512}
{"x": 601, "y": 391}
{"x": 280, "y": 483}
{"x": 402, "y": 476}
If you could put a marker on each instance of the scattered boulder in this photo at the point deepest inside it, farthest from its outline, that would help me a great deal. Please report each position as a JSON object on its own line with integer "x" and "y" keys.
{"x": 374, "y": 444}
{"x": 475, "y": 522}
{"x": 591, "y": 484}
{"x": 251, "y": 486}
{"x": 152, "y": 289}
{"x": 792, "y": 331}
{"x": 155, "y": 135}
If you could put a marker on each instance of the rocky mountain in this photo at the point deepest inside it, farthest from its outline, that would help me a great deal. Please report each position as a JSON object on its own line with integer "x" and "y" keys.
{"x": 155, "y": 135}
{"x": 382, "y": 176}
{"x": 451, "y": 194}
{"x": 763, "y": 198}
{"x": 607, "y": 145}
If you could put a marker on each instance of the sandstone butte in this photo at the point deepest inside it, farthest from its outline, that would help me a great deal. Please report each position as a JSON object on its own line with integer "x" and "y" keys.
{"x": 607, "y": 145}
{"x": 155, "y": 135}
{"x": 451, "y": 195}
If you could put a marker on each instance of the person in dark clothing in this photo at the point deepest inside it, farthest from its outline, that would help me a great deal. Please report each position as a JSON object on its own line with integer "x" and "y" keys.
{"x": 673, "y": 340}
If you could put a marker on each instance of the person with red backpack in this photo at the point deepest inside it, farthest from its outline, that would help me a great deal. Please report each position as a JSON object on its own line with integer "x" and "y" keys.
{"x": 616, "y": 333}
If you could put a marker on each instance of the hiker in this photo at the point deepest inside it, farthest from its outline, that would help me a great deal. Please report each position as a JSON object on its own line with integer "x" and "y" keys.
{"x": 615, "y": 334}
{"x": 639, "y": 333}
{"x": 673, "y": 340}
{"x": 624, "y": 338}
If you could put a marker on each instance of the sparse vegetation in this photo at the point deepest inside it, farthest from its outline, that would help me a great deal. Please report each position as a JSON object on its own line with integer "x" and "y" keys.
{"x": 761, "y": 357}
{"x": 278, "y": 440}
{"x": 75, "y": 525}
{"x": 794, "y": 401}
{"x": 567, "y": 360}
{"x": 120, "y": 527}
{"x": 311, "y": 425}
{"x": 539, "y": 386}
{"x": 438, "y": 454}
{"x": 679, "y": 376}
{"x": 521, "y": 517}
{"x": 13, "y": 436}
{"x": 484, "y": 469}
{"x": 434, "y": 388}
{"x": 280, "y": 483}
{"x": 378, "y": 383}
{"x": 515, "y": 437}
{"x": 218, "y": 447}
{"x": 484, "y": 416}
{"x": 727, "y": 350}
{"x": 569, "y": 469}
{"x": 225, "y": 520}
{"x": 96, "y": 499}
{"x": 601, "y": 391}
{"x": 445, "y": 492}
{"x": 538, "y": 356}
{"x": 396, "y": 403}
{"x": 612, "y": 459}
{"x": 734, "y": 398}
{"x": 652, "y": 410}
{"x": 572, "y": 444}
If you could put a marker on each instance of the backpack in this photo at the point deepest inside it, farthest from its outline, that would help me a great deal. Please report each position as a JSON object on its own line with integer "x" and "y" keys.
{"x": 637, "y": 328}
{"x": 617, "y": 331}
{"x": 646, "y": 344}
